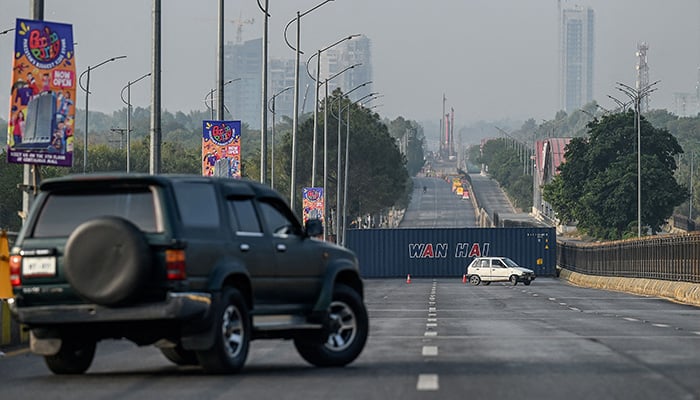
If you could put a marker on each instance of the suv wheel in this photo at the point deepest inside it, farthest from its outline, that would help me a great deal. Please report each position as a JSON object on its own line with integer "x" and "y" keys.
{"x": 527, "y": 282}
{"x": 232, "y": 332}
{"x": 474, "y": 280}
{"x": 180, "y": 356}
{"x": 513, "y": 280}
{"x": 107, "y": 260}
{"x": 345, "y": 336}
{"x": 74, "y": 357}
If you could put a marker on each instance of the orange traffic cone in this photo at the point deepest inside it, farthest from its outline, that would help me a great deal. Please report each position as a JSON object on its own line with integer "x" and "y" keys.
{"x": 408, "y": 278}
{"x": 464, "y": 278}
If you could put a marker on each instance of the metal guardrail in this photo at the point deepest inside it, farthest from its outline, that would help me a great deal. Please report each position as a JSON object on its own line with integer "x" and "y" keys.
{"x": 671, "y": 258}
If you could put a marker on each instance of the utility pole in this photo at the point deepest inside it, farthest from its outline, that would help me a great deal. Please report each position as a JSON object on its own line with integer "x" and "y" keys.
{"x": 31, "y": 176}
{"x": 155, "y": 92}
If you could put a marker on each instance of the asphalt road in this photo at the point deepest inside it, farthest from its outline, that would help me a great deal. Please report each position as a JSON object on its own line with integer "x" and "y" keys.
{"x": 430, "y": 339}
{"x": 438, "y": 207}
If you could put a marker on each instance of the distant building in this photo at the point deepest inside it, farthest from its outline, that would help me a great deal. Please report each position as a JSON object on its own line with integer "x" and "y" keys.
{"x": 355, "y": 51}
{"x": 576, "y": 57}
{"x": 244, "y": 60}
{"x": 549, "y": 154}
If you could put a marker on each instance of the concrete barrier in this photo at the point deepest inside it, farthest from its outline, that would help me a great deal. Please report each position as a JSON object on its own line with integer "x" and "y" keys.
{"x": 681, "y": 292}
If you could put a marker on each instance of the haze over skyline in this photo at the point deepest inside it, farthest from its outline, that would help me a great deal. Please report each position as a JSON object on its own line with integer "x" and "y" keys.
{"x": 492, "y": 59}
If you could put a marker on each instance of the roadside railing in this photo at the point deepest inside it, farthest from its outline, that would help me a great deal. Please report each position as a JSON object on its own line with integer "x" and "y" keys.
{"x": 672, "y": 258}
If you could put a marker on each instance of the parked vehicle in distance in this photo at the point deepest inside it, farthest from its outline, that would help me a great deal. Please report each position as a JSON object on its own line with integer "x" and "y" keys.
{"x": 197, "y": 266}
{"x": 497, "y": 269}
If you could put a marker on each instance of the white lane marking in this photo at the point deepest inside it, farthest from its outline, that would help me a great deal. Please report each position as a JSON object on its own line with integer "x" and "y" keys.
{"x": 430, "y": 351}
{"x": 431, "y": 303}
{"x": 431, "y": 325}
{"x": 427, "y": 382}
{"x": 660, "y": 325}
{"x": 432, "y": 315}
{"x": 553, "y": 298}
{"x": 631, "y": 319}
{"x": 432, "y": 309}
{"x": 697, "y": 333}
{"x": 574, "y": 309}
{"x": 430, "y": 333}
{"x": 432, "y": 319}
{"x": 562, "y": 304}
{"x": 535, "y": 295}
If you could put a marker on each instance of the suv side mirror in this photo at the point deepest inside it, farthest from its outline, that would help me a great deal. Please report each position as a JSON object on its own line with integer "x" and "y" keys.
{"x": 314, "y": 227}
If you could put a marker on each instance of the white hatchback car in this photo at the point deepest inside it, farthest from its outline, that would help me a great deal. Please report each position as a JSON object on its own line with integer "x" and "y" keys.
{"x": 497, "y": 269}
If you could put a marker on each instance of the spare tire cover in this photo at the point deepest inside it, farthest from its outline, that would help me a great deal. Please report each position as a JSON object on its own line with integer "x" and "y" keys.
{"x": 106, "y": 260}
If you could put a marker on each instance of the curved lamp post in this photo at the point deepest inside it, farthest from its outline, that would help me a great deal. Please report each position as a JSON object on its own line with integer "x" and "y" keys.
{"x": 272, "y": 144}
{"x": 347, "y": 144}
{"x": 210, "y": 96}
{"x": 128, "y": 119}
{"x": 338, "y": 172}
{"x": 636, "y": 95}
{"x": 325, "y": 141}
{"x": 292, "y": 180}
{"x": 317, "y": 81}
{"x": 86, "y": 89}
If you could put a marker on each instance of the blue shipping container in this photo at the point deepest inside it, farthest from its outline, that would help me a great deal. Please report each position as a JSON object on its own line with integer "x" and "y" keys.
{"x": 387, "y": 253}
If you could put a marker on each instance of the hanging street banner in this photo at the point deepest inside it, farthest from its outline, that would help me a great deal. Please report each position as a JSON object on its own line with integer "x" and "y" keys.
{"x": 221, "y": 148}
{"x": 42, "y": 95}
{"x": 313, "y": 203}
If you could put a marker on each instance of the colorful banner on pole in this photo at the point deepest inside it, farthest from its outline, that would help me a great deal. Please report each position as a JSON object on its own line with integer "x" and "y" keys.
{"x": 221, "y": 148}
{"x": 313, "y": 203}
{"x": 42, "y": 96}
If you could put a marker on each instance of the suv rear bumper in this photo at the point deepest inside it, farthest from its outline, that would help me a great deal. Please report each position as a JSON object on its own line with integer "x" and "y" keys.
{"x": 177, "y": 306}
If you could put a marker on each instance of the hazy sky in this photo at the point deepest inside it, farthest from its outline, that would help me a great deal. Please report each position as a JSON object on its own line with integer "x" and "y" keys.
{"x": 491, "y": 58}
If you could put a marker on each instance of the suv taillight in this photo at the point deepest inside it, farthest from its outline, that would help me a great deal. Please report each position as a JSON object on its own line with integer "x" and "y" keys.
{"x": 16, "y": 271}
{"x": 175, "y": 264}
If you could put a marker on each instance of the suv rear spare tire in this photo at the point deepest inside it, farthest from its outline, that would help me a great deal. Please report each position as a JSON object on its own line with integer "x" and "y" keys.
{"x": 107, "y": 260}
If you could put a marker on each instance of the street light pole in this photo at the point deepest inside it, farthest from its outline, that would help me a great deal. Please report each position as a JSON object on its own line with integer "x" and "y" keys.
{"x": 325, "y": 144}
{"x": 295, "y": 123}
{"x": 272, "y": 139}
{"x": 87, "y": 97}
{"x": 636, "y": 95}
{"x": 263, "y": 116}
{"x": 128, "y": 119}
{"x": 317, "y": 85}
{"x": 210, "y": 97}
{"x": 338, "y": 171}
{"x": 347, "y": 154}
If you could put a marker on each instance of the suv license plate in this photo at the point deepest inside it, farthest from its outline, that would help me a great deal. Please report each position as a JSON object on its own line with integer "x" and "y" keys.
{"x": 39, "y": 266}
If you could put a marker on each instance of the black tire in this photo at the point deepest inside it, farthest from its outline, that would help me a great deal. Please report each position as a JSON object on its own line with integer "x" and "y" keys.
{"x": 474, "y": 280}
{"x": 232, "y": 334}
{"x": 527, "y": 282}
{"x": 180, "y": 356}
{"x": 486, "y": 283}
{"x": 107, "y": 260}
{"x": 74, "y": 358}
{"x": 346, "y": 335}
{"x": 513, "y": 280}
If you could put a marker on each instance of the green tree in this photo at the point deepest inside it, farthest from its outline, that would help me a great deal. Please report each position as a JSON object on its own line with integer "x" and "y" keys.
{"x": 597, "y": 185}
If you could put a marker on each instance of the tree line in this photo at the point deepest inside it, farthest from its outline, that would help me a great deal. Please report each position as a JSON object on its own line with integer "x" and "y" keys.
{"x": 596, "y": 187}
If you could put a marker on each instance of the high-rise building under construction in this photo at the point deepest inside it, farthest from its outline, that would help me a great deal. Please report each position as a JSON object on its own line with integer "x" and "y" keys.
{"x": 576, "y": 57}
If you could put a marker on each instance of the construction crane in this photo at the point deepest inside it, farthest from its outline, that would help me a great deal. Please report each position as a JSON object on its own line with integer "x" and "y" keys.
{"x": 239, "y": 22}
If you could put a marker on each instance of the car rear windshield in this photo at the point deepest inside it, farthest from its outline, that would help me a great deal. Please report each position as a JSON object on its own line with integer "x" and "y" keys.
{"x": 63, "y": 212}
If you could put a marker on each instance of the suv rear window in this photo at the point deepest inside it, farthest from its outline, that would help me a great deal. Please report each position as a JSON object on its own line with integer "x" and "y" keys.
{"x": 63, "y": 212}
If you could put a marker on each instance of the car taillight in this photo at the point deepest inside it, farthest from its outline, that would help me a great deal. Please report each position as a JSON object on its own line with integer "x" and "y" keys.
{"x": 175, "y": 264}
{"x": 16, "y": 271}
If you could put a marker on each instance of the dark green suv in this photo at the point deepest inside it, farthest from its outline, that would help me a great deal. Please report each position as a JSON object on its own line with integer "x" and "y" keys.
{"x": 198, "y": 266}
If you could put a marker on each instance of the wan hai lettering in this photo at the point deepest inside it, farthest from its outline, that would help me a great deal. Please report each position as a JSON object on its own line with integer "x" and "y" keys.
{"x": 441, "y": 250}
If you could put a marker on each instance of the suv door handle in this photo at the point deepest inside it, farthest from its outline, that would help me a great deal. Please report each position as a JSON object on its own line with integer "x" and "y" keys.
{"x": 281, "y": 247}
{"x": 244, "y": 247}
